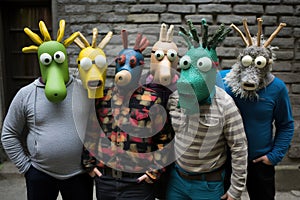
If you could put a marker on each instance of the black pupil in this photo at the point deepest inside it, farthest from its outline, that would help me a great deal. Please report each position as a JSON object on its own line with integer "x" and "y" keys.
{"x": 185, "y": 62}
{"x": 259, "y": 62}
{"x": 200, "y": 63}
{"x": 57, "y": 56}
{"x": 47, "y": 60}
{"x": 172, "y": 55}
{"x": 158, "y": 55}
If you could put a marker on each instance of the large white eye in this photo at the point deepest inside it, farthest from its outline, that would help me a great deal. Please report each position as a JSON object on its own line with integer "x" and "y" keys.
{"x": 59, "y": 57}
{"x": 171, "y": 54}
{"x": 246, "y": 61}
{"x": 100, "y": 61}
{"x": 85, "y": 63}
{"x": 204, "y": 64}
{"x": 45, "y": 59}
{"x": 159, "y": 54}
{"x": 260, "y": 62}
{"x": 185, "y": 62}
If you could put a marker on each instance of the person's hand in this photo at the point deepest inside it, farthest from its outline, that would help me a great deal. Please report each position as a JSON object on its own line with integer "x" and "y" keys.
{"x": 227, "y": 197}
{"x": 263, "y": 159}
{"x": 144, "y": 178}
{"x": 95, "y": 172}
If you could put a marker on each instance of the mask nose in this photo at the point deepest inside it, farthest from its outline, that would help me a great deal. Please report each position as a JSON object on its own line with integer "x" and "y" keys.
{"x": 123, "y": 78}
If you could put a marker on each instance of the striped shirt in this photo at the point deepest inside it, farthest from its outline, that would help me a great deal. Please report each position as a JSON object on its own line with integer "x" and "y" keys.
{"x": 201, "y": 139}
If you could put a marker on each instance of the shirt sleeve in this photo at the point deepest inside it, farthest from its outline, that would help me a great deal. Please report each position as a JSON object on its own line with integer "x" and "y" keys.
{"x": 237, "y": 142}
{"x": 284, "y": 125}
{"x": 13, "y": 132}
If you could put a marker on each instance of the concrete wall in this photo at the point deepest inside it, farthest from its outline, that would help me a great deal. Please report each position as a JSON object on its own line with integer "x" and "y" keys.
{"x": 146, "y": 16}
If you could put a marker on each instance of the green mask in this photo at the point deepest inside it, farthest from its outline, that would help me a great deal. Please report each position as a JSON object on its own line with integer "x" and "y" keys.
{"x": 196, "y": 85}
{"x": 53, "y": 60}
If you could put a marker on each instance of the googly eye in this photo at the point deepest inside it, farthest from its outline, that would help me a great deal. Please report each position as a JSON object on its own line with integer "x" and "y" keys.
{"x": 171, "y": 54}
{"x": 246, "y": 61}
{"x": 100, "y": 61}
{"x": 45, "y": 59}
{"x": 86, "y": 63}
{"x": 120, "y": 60}
{"x": 159, "y": 54}
{"x": 260, "y": 62}
{"x": 59, "y": 57}
{"x": 132, "y": 61}
{"x": 204, "y": 64}
{"x": 185, "y": 62}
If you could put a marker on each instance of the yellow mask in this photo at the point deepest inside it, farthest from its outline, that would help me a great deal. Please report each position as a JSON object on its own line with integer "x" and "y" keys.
{"x": 92, "y": 64}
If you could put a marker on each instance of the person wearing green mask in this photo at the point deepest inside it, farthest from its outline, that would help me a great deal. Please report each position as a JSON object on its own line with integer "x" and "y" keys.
{"x": 206, "y": 121}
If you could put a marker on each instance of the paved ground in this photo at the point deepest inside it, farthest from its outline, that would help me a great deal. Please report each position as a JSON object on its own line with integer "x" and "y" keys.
{"x": 12, "y": 186}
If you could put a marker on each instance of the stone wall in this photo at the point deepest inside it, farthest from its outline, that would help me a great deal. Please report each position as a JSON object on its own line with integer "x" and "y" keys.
{"x": 146, "y": 16}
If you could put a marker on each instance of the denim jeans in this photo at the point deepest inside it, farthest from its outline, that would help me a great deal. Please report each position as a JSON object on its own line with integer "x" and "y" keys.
{"x": 109, "y": 188}
{"x": 183, "y": 189}
{"x": 42, "y": 186}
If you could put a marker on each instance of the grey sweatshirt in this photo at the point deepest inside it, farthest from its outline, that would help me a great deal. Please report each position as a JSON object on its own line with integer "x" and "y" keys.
{"x": 53, "y": 141}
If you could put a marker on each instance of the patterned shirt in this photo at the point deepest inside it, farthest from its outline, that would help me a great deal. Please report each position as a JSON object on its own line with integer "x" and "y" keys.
{"x": 126, "y": 133}
{"x": 201, "y": 139}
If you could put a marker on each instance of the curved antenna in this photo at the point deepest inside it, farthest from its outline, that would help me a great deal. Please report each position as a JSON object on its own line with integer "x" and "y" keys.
{"x": 170, "y": 33}
{"x": 44, "y": 31}
{"x": 30, "y": 49}
{"x": 33, "y": 36}
{"x": 193, "y": 31}
{"x": 274, "y": 34}
{"x": 105, "y": 40}
{"x": 70, "y": 39}
{"x": 61, "y": 30}
{"x": 204, "y": 28}
{"x": 185, "y": 37}
{"x": 80, "y": 44}
{"x": 124, "y": 35}
{"x": 143, "y": 44}
{"x": 163, "y": 33}
{"x": 259, "y": 30}
{"x": 137, "y": 41}
{"x": 240, "y": 33}
{"x": 248, "y": 35}
{"x": 94, "y": 38}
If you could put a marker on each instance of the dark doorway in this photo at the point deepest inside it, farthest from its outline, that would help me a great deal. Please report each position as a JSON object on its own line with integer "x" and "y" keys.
{"x": 20, "y": 69}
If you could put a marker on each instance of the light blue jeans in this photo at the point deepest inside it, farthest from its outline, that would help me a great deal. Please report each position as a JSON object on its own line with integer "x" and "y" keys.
{"x": 183, "y": 189}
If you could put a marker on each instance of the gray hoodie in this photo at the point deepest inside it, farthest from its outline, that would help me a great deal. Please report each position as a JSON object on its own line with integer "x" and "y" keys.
{"x": 53, "y": 142}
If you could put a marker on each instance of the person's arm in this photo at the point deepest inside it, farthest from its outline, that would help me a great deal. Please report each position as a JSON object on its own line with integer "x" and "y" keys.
{"x": 13, "y": 128}
{"x": 284, "y": 125}
{"x": 236, "y": 140}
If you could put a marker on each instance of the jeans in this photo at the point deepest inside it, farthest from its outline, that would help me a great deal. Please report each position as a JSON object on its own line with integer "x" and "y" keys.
{"x": 261, "y": 181}
{"x": 109, "y": 188}
{"x": 183, "y": 189}
{"x": 43, "y": 186}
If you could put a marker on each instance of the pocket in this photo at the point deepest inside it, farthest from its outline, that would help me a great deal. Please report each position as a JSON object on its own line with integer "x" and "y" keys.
{"x": 214, "y": 186}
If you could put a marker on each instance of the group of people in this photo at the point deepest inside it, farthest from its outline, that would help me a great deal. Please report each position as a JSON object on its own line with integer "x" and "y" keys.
{"x": 189, "y": 133}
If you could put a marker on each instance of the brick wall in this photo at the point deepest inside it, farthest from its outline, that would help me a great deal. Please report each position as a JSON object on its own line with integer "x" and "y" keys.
{"x": 146, "y": 16}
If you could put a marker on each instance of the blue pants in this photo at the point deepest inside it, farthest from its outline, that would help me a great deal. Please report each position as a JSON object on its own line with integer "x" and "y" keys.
{"x": 183, "y": 189}
{"x": 42, "y": 186}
